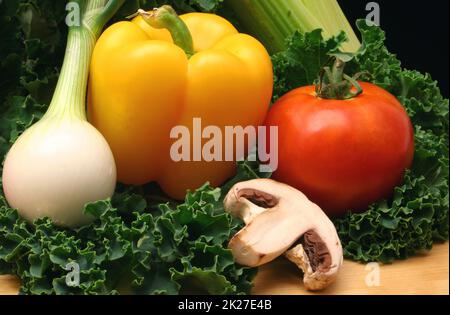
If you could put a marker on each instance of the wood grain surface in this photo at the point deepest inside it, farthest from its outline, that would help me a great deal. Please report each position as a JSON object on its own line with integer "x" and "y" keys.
{"x": 427, "y": 273}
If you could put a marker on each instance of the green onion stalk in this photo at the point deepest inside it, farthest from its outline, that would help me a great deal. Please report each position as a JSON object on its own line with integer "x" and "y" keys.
{"x": 86, "y": 19}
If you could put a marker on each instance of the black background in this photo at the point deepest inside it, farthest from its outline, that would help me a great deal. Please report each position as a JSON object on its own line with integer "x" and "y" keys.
{"x": 417, "y": 31}
{"x": 169, "y": 304}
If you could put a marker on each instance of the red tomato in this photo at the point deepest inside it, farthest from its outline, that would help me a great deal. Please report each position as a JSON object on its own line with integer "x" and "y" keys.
{"x": 343, "y": 154}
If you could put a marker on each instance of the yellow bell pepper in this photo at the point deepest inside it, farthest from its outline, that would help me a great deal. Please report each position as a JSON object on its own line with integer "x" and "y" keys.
{"x": 159, "y": 71}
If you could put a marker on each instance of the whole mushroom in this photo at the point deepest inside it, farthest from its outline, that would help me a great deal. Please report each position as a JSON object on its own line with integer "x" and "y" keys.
{"x": 279, "y": 219}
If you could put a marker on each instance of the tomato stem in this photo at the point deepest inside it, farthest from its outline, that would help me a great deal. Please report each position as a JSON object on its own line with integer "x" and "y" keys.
{"x": 165, "y": 17}
{"x": 333, "y": 83}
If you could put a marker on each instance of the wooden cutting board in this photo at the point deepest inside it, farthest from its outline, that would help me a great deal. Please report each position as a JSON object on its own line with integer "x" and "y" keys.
{"x": 423, "y": 274}
{"x": 427, "y": 273}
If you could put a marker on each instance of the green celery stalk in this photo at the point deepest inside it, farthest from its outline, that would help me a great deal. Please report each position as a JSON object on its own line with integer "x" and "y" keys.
{"x": 273, "y": 21}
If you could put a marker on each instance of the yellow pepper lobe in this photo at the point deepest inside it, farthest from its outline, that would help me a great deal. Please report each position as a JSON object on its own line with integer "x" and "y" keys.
{"x": 142, "y": 85}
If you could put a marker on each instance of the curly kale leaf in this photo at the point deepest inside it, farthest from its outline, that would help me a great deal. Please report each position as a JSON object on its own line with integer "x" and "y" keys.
{"x": 418, "y": 213}
{"x": 168, "y": 250}
{"x": 30, "y": 57}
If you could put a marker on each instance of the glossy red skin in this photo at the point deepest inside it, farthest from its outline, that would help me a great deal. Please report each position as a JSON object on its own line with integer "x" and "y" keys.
{"x": 343, "y": 154}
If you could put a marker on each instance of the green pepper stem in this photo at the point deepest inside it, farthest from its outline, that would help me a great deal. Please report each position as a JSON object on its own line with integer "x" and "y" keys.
{"x": 333, "y": 83}
{"x": 165, "y": 17}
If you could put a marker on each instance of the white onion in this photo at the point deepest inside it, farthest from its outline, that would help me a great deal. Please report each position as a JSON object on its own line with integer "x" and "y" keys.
{"x": 55, "y": 168}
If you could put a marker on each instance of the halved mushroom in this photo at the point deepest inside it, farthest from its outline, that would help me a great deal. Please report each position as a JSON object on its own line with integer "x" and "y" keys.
{"x": 280, "y": 219}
